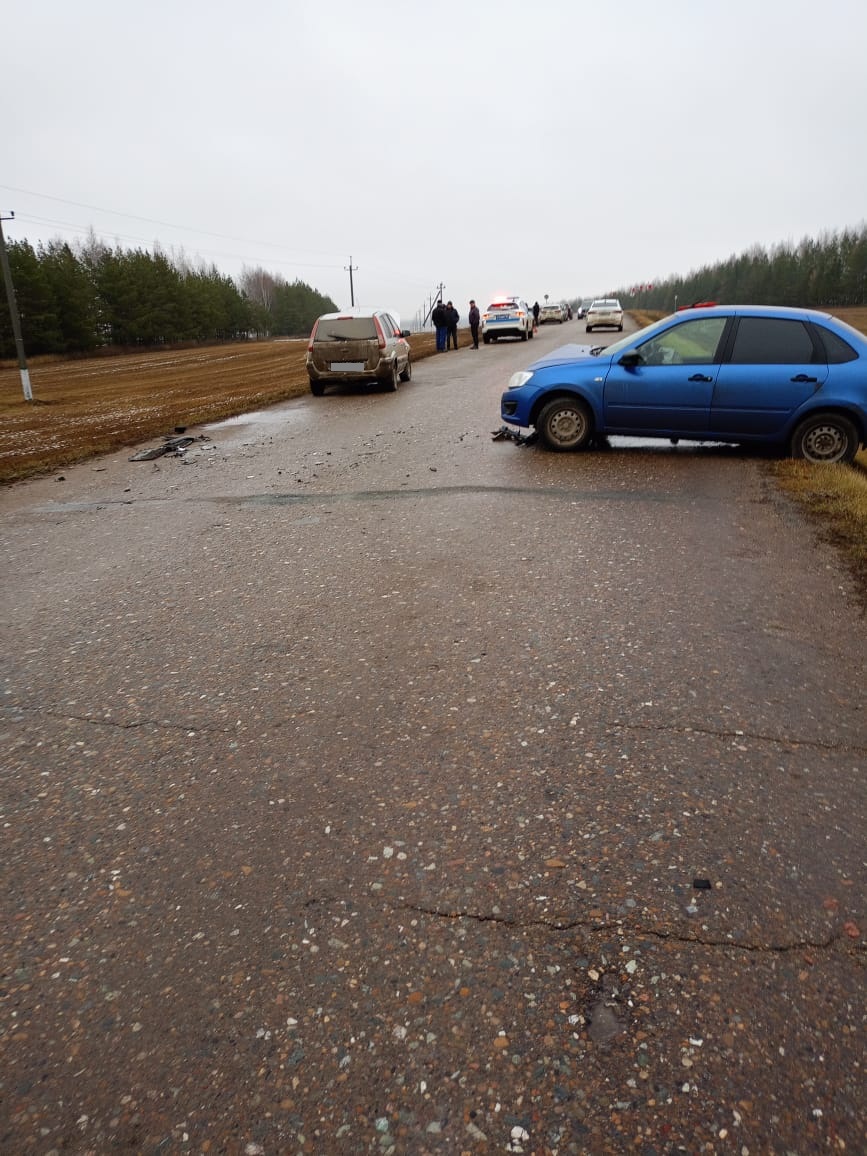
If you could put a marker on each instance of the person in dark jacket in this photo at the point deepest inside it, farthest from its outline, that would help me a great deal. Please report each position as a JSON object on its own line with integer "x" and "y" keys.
{"x": 438, "y": 317}
{"x": 474, "y": 318}
{"x": 452, "y": 319}
{"x": 536, "y": 310}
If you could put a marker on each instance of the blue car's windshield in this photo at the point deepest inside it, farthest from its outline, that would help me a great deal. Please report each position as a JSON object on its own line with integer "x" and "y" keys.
{"x": 648, "y": 331}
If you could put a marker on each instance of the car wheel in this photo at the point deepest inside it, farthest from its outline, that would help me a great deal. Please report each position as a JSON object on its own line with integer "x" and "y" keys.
{"x": 390, "y": 382}
{"x": 619, "y": 328}
{"x": 486, "y": 339}
{"x": 589, "y": 328}
{"x": 531, "y": 334}
{"x": 825, "y": 437}
{"x": 406, "y": 375}
{"x": 316, "y": 388}
{"x": 523, "y": 334}
{"x": 564, "y": 424}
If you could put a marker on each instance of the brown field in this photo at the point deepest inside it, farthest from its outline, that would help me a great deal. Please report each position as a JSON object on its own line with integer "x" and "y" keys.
{"x": 96, "y": 405}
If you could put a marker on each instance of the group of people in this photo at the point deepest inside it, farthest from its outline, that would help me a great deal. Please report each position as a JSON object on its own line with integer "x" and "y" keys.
{"x": 445, "y": 319}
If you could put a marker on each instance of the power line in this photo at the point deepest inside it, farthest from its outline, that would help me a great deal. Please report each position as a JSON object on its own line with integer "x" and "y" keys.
{"x": 290, "y": 260}
{"x": 148, "y": 220}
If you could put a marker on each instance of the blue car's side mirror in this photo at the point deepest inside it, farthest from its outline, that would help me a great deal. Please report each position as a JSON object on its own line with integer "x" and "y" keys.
{"x": 630, "y": 359}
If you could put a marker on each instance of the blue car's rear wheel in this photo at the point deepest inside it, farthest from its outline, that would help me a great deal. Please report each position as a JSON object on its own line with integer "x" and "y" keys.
{"x": 564, "y": 424}
{"x": 825, "y": 437}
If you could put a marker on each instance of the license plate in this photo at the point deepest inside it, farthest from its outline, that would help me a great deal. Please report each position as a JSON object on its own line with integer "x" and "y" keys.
{"x": 347, "y": 366}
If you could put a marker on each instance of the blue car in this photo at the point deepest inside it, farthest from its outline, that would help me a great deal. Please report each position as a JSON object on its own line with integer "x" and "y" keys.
{"x": 795, "y": 378}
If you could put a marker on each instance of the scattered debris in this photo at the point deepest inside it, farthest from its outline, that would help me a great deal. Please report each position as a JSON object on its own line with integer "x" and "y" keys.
{"x": 171, "y": 445}
{"x": 702, "y": 884}
{"x": 506, "y": 433}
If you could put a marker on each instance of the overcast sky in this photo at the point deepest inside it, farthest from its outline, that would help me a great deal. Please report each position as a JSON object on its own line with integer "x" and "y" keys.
{"x": 565, "y": 147}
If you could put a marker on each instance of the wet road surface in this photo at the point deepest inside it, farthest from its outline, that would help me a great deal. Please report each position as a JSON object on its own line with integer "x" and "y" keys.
{"x": 370, "y": 786}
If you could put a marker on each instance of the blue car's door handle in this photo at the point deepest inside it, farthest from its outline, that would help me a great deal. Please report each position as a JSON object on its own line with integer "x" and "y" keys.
{"x": 700, "y": 377}
{"x": 803, "y": 377}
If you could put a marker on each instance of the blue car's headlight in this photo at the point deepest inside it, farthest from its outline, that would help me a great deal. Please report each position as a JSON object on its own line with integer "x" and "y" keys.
{"x": 519, "y": 379}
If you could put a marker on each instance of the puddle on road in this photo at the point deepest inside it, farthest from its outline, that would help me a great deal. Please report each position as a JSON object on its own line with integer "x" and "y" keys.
{"x": 625, "y": 443}
{"x": 257, "y": 417}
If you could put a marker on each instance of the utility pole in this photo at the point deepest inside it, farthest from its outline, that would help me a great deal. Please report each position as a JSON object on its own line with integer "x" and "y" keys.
{"x": 351, "y": 267}
{"x": 13, "y": 313}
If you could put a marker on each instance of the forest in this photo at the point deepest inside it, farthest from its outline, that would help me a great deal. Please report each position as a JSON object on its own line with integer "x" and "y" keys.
{"x": 828, "y": 272}
{"x": 82, "y": 298}
{"x": 74, "y": 300}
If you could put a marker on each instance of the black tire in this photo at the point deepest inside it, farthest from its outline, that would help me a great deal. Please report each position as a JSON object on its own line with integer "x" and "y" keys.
{"x": 564, "y": 424}
{"x": 619, "y": 328}
{"x": 406, "y": 374}
{"x": 316, "y": 388}
{"x": 486, "y": 339}
{"x": 589, "y": 328}
{"x": 825, "y": 438}
{"x": 391, "y": 382}
{"x": 531, "y": 334}
{"x": 523, "y": 334}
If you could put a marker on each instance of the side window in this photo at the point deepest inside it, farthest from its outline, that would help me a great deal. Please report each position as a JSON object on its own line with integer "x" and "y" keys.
{"x": 690, "y": 343}
{"x": 388, "y": 325}
{"x": 772, "y": 341}
{"x": 836, "y": 349}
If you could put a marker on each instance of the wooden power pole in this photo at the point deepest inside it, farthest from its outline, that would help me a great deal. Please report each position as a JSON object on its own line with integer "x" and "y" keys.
{"x": 13, "y": 312}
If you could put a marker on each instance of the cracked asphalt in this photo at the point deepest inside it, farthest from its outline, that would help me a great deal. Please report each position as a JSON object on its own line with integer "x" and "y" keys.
{"x": 371, "y": 786}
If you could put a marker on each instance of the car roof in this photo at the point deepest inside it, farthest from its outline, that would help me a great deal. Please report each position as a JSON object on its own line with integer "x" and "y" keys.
{"x": 355, "y": 311}
{"x": 785, "y": 311}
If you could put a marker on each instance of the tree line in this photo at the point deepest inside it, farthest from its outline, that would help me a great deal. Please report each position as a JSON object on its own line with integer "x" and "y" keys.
{"x": 827, "y": 272}
{"x": 78, "y": 299}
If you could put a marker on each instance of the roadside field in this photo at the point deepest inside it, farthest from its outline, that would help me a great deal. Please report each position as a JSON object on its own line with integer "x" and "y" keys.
{"x": 96, "y": 405}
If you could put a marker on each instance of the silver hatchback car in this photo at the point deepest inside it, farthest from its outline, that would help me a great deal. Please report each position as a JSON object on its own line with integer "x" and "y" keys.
{"x": 358, "y": 345}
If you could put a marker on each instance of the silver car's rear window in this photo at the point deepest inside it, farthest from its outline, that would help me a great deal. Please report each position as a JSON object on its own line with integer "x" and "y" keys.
{"x": 346, "y": 329}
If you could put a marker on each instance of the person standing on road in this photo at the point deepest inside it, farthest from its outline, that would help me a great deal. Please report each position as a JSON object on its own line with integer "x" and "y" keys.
{"x": 438, "y": 317}
{"x": 474, "y": 319}
{"x": 452, "y": 319}
{"x": 535, "y": 316}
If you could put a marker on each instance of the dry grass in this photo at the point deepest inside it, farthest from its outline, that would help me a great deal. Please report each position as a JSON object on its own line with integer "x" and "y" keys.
{"x": 835, "y": 497}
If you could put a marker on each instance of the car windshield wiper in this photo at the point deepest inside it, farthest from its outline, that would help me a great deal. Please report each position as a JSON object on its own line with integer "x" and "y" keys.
{"x": 338, "y": 337}
{"x": 595, "y": 350}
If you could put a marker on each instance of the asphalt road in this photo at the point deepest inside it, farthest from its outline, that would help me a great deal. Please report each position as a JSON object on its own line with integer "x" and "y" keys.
{"x": 373, "y": 786}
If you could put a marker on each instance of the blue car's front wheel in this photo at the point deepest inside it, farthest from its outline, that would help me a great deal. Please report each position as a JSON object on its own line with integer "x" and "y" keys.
{"x": 564, "y": 424}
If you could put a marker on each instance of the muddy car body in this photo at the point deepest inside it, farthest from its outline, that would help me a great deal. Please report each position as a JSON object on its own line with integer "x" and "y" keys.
{"x": 358, "y": 345}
